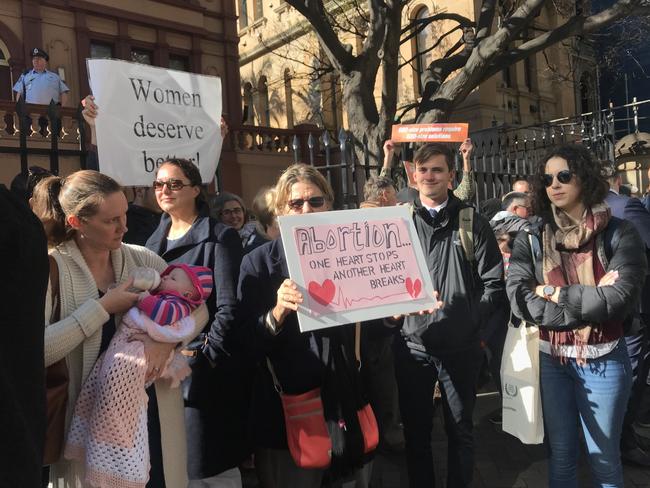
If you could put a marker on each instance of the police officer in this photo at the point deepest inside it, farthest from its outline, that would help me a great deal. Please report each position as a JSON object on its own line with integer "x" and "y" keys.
{"x": 40, "y": 86}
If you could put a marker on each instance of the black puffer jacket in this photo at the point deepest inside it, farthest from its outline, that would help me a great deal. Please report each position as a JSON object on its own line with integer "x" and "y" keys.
{"x": 580, "y": 304}
{"x": 470, "y": 291}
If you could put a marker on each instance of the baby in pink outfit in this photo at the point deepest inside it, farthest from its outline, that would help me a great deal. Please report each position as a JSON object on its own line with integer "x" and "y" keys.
{"x": 108, "y": 430}
{"x": 175, "y": 293}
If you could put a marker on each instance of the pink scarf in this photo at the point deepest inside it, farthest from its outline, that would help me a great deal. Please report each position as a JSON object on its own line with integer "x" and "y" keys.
{"x": 569, "y": 253}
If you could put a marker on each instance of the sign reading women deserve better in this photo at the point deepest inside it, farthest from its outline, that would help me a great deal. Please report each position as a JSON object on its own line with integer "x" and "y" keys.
{"x": 149, "y": 114}
{"x": 355, "y": 265}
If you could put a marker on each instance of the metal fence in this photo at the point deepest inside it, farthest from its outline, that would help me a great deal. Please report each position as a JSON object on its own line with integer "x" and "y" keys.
{"x": 501, "y": 154}
{"x": 53, "y": 131}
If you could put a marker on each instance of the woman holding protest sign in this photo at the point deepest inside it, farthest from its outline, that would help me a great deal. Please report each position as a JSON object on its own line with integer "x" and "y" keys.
{"x": 317, "y": 369}
{"x": 84, "y": 216}
{"x": 216, "y": 394}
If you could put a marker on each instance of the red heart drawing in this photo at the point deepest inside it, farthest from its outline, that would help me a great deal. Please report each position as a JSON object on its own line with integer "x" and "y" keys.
{"x": 413, "y": 287}
{"x": 324, "y": 293}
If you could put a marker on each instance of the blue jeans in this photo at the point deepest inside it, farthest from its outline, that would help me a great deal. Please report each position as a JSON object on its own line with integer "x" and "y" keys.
{"x": 595, "y": 394}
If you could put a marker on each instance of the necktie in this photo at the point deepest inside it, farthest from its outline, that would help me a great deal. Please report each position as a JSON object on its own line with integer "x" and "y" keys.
{"x": 433, "y": 212}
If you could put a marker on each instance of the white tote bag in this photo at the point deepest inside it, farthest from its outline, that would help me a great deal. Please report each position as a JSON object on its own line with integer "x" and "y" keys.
{"x": 522, "y": 402}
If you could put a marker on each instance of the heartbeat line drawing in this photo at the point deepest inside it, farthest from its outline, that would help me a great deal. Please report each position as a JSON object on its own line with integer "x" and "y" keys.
{"x": 324, "y": 293}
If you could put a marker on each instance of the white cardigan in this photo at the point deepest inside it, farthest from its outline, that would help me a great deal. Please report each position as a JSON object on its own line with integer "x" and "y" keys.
{"x": 77, "y": 338}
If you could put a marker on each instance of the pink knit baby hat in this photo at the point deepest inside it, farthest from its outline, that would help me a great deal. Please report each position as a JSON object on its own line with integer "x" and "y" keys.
{"x": 201, "y": 277}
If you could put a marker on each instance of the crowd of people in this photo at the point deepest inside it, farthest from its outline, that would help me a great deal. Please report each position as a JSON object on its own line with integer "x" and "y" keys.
{"x": 563, "y": 250}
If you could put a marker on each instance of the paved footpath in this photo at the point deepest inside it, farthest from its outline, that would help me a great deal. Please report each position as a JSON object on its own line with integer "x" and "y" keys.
{"x": 501, "y": 460}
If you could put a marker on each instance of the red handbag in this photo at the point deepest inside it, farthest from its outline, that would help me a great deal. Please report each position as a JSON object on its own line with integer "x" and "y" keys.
{"x": 309, "y": 442}
{"x": 307, "y": 436}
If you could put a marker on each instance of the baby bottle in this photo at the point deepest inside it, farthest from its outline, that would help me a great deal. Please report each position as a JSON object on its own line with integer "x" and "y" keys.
{"x": 145, "y": 279}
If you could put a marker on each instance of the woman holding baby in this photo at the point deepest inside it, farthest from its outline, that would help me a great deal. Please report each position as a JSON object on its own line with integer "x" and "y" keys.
{"x": 85, "y": 220}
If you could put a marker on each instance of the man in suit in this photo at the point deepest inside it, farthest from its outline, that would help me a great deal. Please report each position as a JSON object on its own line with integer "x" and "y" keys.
{"x": 633, "y": 446}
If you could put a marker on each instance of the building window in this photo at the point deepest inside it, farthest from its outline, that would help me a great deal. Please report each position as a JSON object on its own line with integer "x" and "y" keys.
{"x": 288, "y": 96}
{"x": 506, "y": 78}
{"x": 101, "y": 50}
{"x": 178, "y": 62}
{"x": 424, "y": 40}
{"x": 243, "y": 14}
{"x": 248, "y": 104}
{"x": 5, "y": 73}
{"x": 263, "y": 114}
{"x": 258, "y": 9}
{"x": 141, "y": 56}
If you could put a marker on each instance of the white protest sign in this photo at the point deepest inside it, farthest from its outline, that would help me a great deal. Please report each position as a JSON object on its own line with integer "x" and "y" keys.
{"x": 355, "y": 265}
{"x": 149, "y": 114}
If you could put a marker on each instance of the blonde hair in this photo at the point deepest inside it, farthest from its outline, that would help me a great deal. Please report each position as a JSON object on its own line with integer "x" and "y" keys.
{"x": 264, "y": 209}
{"x": 79, "y": 194}
{"x": 294, "y": 174}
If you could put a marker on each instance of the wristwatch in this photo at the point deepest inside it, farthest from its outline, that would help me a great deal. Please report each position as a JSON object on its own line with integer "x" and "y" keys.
{"x": 548, "y": 291}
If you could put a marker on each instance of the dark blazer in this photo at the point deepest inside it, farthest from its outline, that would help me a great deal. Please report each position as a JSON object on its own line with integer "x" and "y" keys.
{"x": 23, "y": 250}
{"x": 216, "y": 398}
{"x": 296, "y": 356}
{"x": 631, "y": 209}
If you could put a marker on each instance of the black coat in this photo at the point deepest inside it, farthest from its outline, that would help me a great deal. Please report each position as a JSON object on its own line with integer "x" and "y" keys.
{"x": 216, "y": 398}
{"x": 471, "y": 292}
{"x": 579, "y": 304}
{"x": 296, "y": 357}
{"x": 25, "y": 270}
{"x": 141, "y": 223}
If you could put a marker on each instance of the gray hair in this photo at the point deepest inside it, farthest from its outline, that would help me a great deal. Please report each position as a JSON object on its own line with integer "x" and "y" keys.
{"x": 375, "y": 187}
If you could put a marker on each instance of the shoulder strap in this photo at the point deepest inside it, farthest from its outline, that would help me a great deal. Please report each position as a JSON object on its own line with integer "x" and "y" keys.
{"x": 276, "y": 383}
{"x": 54, "y": 281}
{"x": 357, "y": 343}
{"x": 466, "y": 231}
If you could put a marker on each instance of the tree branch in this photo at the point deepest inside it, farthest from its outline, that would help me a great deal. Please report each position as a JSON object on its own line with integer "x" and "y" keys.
{"x": 485, "y": 19}
{"x": 417, "y": 25}
{"x": 437, "y": 43}
{"x": 314, "y": 12}
{"x": 574, "y": 26}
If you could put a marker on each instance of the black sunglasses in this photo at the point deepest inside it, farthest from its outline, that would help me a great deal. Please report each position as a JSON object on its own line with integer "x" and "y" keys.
{"x": 173, "y": 185}
{"x": 563, "y": 177}
{"x": 314, "y": 202}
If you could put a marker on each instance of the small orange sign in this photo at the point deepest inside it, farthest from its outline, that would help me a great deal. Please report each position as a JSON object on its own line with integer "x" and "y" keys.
{"x": 430, "y": 132}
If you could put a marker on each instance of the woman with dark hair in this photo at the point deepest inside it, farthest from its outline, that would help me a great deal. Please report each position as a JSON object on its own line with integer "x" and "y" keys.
{"x": 216, "y": 394}
{"x": 577, "y": 275}
{"x": 85, "y": 220}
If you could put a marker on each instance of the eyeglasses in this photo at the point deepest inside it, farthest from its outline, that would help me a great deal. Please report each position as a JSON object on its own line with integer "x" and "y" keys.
{"x": 173, "y": 185}
{"x": 227, "y": 212}
{"x": 314, "y": 202}
{"x": 563, "y": 177}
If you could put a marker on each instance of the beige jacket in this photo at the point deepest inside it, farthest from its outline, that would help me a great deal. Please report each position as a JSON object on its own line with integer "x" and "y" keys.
{"x": 77, "y": 338}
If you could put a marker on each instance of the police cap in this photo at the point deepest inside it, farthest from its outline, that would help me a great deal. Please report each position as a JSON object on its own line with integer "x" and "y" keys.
{"x": 37, "y": 51}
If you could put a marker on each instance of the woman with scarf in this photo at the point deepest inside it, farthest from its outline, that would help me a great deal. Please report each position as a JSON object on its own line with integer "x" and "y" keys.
{"x": 577, "y": 275}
